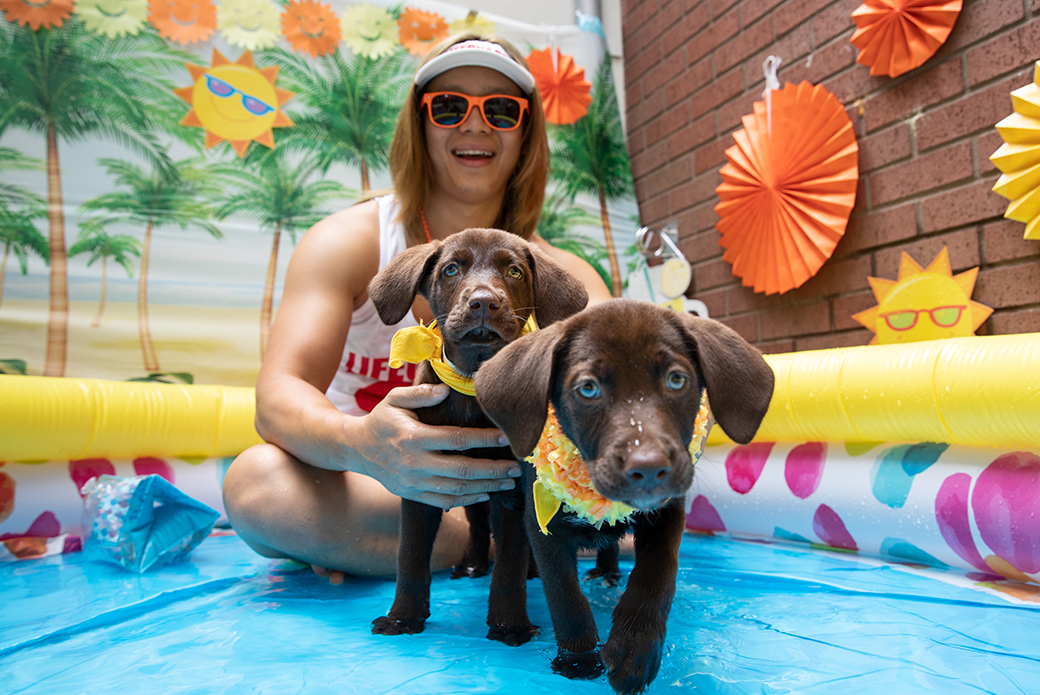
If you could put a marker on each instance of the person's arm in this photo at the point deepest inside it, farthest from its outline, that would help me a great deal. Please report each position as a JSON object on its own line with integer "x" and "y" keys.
{"x": 327, "y": 278}
{"x": 577, "y": 267}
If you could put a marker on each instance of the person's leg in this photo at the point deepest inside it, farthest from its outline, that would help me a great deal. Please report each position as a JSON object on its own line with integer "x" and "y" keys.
{"x": 343, "y": 522}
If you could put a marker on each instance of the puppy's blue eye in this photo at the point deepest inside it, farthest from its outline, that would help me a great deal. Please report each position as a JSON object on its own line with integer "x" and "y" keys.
{"x": 450, "y": 270}
{"x": 589, "y": 389}
{"x": 515, "y": 272}
{"x": 676, "y": 380}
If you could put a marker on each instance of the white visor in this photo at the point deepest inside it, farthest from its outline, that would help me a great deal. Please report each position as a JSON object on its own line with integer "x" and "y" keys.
{"x": 482, "y": 54}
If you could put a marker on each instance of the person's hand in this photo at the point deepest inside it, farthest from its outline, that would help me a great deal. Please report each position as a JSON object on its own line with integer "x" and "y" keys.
{"x": 415, "y": 460}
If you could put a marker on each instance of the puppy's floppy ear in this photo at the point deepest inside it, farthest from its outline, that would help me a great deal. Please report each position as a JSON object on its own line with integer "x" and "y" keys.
{"x": 513, "y": 386}
{"x": 557, "y": 293}
{"x": 393, "y": 289}
{"x": 739, "y": 381}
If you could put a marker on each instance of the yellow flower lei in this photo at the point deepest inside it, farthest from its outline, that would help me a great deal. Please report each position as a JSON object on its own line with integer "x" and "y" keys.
{"x": 563, "y": 477}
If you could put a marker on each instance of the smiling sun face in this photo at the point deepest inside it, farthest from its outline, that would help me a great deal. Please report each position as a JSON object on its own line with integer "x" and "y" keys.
{"x": 183, "y": 21}
{"x": 419, "y": 30}
{"x": 924, "y": 303}
{"x": 369, "y": 31}
{"x": 249, "y": 24}
{"x": 113, "y": 17}
{"x": 311, "y": 27}
{"x": 235, "y": 102}
{"x": 38, "y": 14}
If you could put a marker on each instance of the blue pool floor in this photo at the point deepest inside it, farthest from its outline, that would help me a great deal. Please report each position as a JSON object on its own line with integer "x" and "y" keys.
{"x": 748, "y": 618}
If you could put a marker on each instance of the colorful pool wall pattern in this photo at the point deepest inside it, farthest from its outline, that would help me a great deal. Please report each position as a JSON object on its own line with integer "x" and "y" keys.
{"x": 974, "y": 508}
{"x": 949, "y": 497}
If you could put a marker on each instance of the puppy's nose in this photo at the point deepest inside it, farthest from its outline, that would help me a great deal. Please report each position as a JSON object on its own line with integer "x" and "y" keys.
{"x": 648, "y": 467}
{"x": 484, "y": 303}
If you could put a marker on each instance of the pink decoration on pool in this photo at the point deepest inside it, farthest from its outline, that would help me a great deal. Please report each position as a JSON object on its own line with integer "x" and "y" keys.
{"x": 150, "y": 465}
{"x": 951, "y": 514}
{"x": 703, "y": 516}
{"x": 83, "y": 470}
{"x": 804, "y": 468}
{"x": 1006, "y": 502}
{"x": 46, "y": 525}
{"x": 744, "y": 464}
{"x": 831, "y": 529}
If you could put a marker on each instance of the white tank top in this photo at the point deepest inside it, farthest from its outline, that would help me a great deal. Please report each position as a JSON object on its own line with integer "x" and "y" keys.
{"x": 364, "y": 376}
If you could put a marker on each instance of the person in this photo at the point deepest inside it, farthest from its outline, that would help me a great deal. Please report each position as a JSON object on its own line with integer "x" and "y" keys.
{"x": 470, "y": 150}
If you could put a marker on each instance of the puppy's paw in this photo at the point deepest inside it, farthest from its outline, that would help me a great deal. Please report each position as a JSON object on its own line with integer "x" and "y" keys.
{"x": 385, "y": 625}
{"x": 607, "y": 577}
{"x": 632, "y": 664}
{"x": 583, "y": 666}
{"x": 512, "y": 635}
{"x": 469, "y": 569}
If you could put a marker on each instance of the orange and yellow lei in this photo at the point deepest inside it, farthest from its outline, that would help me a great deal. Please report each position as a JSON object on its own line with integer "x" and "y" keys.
{"x": 563, "y": 477}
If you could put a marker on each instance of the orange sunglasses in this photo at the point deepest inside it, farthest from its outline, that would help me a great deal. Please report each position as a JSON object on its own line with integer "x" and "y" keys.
{"x": 451, "y": 109}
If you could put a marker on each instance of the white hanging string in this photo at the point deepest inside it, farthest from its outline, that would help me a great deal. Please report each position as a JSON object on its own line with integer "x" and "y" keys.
{"x": 554, "y": 52}
{"x": 769, "y": 66}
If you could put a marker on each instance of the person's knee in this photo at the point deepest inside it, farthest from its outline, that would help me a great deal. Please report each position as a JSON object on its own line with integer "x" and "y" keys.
{"x": 248, "y": 478}
{"x": 246, "y": 489}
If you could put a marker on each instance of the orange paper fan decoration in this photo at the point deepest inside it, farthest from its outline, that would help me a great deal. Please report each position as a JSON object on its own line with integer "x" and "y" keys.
{"x": 183, "y": 21}
{"x": 895, "y": 36}
{"x": 564, "y": 89}
{"x": 788, "y": 188}
{"x": 419, "y": 30}
{"x": 38, "y": 15}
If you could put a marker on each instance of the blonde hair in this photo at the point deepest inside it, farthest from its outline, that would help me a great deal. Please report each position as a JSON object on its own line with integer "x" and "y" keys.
{"x": 411, "y": 170}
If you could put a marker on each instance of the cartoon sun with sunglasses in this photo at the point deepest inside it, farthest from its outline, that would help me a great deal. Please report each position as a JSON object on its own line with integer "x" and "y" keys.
{"x": 924, "y": 303}
{"x": 235, "y": 102}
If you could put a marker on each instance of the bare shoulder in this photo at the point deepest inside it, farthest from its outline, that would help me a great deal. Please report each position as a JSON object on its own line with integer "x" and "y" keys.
{"x": 577, "y": 267}
{"x": 328, "y": 276}
{"x": 342, "y": 248}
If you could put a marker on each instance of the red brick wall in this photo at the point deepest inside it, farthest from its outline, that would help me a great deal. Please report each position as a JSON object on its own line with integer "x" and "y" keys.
{"x": 694, "y": 67}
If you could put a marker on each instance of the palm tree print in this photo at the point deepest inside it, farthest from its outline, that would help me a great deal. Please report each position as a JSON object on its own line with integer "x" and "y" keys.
{"x": 158, "y": 196}
{"x": 283, "y": 196}
{"x": 590, "y": 157}
{"x": 67, "y": 83}
{"x": 19, "y": 208}
{"x": 350, "y": 106}
{"x": 19, "y": 236}
{"x": 94, "y": 240}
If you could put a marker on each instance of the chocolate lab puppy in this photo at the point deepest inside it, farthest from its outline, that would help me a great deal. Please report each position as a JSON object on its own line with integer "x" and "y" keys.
{"x": 482, "y": 285}
{"x": 625, "y": 380}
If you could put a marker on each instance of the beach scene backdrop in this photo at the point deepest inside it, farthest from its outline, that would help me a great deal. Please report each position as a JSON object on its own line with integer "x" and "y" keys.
{"x": 160, "y": 159}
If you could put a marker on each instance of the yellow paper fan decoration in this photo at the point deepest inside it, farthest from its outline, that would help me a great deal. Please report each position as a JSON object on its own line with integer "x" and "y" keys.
{"x": 474, "y": 22}
{"x": 1019, "y": 157}
{"x": 924, "y": 303}
{"x": 311, "y": 27}
{"x": 369, "y": 31}
{"x": 183, "y": 21}
{"x": 113, "y": 18}
{"x": 419, "y": 30}
{"x": 38, "y": 15}
{"x": 236, "y": 102}
{"x": 249, "y": 24}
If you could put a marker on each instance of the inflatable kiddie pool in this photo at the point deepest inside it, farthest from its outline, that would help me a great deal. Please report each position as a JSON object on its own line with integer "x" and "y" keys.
{"x": 881, "y": 534}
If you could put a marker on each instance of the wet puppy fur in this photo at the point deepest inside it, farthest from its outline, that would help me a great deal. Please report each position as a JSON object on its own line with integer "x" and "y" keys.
{"x": 625, "y": 379}
{"x": 481, "y": 284}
